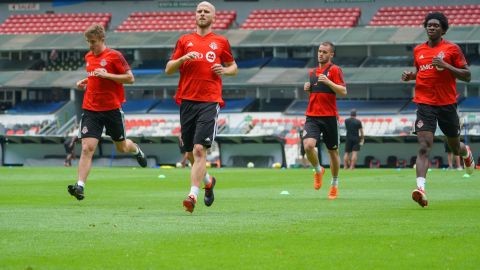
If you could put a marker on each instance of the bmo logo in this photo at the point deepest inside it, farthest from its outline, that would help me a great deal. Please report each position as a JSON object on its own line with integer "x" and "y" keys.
{"x": 210, "y": 56}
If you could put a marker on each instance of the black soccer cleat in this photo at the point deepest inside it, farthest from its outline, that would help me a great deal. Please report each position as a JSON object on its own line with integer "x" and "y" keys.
{"x": 141, "y": 158}
{"x": 76, "y": 191}
{"x": 209, "y": 196}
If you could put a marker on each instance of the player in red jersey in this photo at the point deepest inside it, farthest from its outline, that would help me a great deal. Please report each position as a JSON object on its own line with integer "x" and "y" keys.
{"x": 326, "y": 81}
{"x": 107, "y": 71}
{"x": 199, "y": 57}
{"x": 438, "y": 63}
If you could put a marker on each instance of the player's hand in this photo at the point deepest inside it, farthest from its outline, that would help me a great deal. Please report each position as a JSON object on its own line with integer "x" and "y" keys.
{"x": 323, "y": 79}
{"x": 306, "y": 86}
{"x": 218, "y": 69}
{"x": 191, "y": 56}
{"x": 82, "y": 84}
{"x": 100, "y": 72}
{"x": 439, "y": 62}
{"x": 407, "y": 75}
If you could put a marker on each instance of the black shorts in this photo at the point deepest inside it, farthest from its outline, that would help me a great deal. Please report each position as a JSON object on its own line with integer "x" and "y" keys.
{"x": 198, "y": 122}
{"x": 446, "y": 116}
{"x": 327, "y": 126}
{"x": 92, "y": 124}
{"x": 352, "y": 145}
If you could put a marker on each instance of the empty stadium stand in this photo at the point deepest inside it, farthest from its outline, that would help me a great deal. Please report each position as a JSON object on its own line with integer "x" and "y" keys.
{"x": 302, "y": 18}
{"x": 458, "y": 15}
{"x": 51, "y": 23}
{"x": 172, "y": 21}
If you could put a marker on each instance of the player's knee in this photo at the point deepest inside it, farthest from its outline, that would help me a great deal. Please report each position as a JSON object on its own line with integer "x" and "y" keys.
{"x": 424, "y": 149}
{"x": 198, "y": 150}
{"x": 88, "y": 149}
{"x": 308, "y": 145}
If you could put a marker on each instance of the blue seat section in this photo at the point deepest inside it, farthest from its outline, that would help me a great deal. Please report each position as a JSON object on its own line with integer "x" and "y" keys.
{"x": 288, "y": 62}
{"x": 36, "y": 107}
{"x": 298, "y": 107}
{"x": 371, "y": 106}
{"x": 409, "y": 108}
{"x": 165, "y": 106}
{"x": 139, "y": 105}
{"x": 147, "y": 71}
{"x": 470, "y": 104}
{"x": 237, "y": 105}
{"x": 363, "y": 107}
{"x": 251, "y": 63}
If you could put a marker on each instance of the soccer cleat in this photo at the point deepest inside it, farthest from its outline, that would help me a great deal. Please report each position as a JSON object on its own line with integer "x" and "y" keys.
{"x": 469, "y": 161}
{"x": 189, "y": 203}
{"x": 141, "y": 158}
{"x": 420, "y": 197}
{"x": 76, "y": 191}
{"x": 317, "y": 179}
{"x": 209, "y": 196}
{"x": 332, "y": 195}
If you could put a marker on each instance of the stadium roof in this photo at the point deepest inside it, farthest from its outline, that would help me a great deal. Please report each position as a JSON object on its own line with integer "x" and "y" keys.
{"x": 244, "y": 38}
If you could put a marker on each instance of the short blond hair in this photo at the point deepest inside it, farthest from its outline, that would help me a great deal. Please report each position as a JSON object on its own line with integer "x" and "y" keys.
{"x": 208, "y": 4}
{"x": 95, "y": 29}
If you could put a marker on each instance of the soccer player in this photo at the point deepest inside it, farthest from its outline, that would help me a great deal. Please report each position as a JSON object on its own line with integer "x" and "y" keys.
{"x": 69, "y": 146}
{"x": 107, "y": 71}
{"x": 438, "y": 63}
{"x": 199, "y": 57}
{"x": 326, "y": 81}
{"x": 450, "y": 157}
{"x": 354, "y": 140}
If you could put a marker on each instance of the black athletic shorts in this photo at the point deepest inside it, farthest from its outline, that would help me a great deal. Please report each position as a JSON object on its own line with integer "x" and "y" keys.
{"x": 92, "y": 124}
{"x": 352, "y": 145}
{"x": 198, "y": 122}
{"x": 327, "y": 126}
{"x": 446, "y": 116}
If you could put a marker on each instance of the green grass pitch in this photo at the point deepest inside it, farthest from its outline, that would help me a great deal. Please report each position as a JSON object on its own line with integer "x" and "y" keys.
{"x": 133, "y": 219}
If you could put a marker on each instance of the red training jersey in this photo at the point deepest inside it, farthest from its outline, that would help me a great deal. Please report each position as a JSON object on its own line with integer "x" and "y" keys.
{"x": 104, "y": 94}
{"x": 324, "y": 103}
{"x": 436, "y": 86}
{"x": 197, "y": 80}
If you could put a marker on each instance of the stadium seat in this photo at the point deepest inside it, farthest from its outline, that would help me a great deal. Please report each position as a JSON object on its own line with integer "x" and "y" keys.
{"x": 413, "y": 15}
{"x": 302, "y": 18}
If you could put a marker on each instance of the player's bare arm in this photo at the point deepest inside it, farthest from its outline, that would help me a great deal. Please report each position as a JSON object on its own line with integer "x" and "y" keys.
{"x": 408, "y": 75}
{"x": 174, "y": 65}
{"x": 126, "y": 78}
{"x": 462, "y": 74}
{"x": 337, "y": 88}
{"x": 230, "y": 69}
{"x": 362, "y": 136}
{"x": 82, "y": 84}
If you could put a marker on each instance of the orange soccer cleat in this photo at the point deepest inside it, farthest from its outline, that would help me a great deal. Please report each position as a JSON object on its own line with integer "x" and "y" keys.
{"x": 419, "y": 196}
{"x": 332, "y": 195}
{"x": 317, "y": 179}
{"x": 469, "y": 161}
{"x": 189, "y": 203}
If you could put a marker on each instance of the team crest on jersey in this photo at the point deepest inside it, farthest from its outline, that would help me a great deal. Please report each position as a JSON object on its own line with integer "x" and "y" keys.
{"x": 190, "y": 44}
{"x": 210, "y": 56}
{"x": 213, "y": 45}
{"x": 304, "y": 133}
{"x": 420, "y": 124}
{"x": 103, "y": 62}
{"x": 88, "y": 64}
{"x": 421, "y": 57}
{"x": 84, "y": 130}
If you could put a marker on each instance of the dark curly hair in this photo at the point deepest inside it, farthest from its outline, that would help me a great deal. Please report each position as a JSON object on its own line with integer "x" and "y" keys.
{"x": 438, "y": 16}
